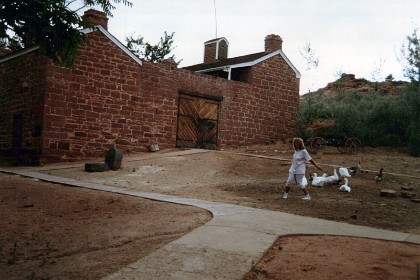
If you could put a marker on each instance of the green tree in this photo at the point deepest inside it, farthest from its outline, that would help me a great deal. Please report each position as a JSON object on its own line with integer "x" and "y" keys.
{"x": 14, "y": 43}
{"x": 410, "y": 102}
{"x": 410, "y": 56}
{"x": 311, "y": 63}
{"x": 153, "y": 53}
{"x": 377, "y": 72}
{"x": 389, "y": 78}
{"x": 50, "y": 24}
{"x": 310, "y": 57}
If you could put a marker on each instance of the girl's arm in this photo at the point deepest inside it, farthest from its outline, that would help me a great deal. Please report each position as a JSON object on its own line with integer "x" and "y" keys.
{"x": 316, "y": 165}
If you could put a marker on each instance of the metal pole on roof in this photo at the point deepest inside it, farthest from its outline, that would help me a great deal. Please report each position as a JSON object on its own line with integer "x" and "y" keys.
{"x": 215, "y": 16}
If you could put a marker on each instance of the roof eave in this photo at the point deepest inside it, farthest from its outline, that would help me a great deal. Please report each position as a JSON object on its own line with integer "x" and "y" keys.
{"x": 114, "y": 40}
{"x": 254, "y": 62}
{"x": 85, "y": 31}
{"x": 298, "y": 75}
{"x": 216, "y": 40}
{"x": 19, "y": 53}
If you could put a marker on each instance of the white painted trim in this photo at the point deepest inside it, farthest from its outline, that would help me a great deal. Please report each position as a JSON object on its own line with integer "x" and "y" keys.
{"x": 115, "y": 41}
{"x": 261, "y": 59}
{"x": 223, "y": 68}
{"x": 17, "y": 54}
{"x": 252, "y": 63}
{"x": 211, "y": 69}
{"x": 217, "y": 41}
{"x": 298, "y": 75}
{"x": 217, "y": 45}
{"x": 86, "y": 31}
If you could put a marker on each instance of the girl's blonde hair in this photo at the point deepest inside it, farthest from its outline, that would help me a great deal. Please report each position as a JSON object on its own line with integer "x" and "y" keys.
{"x": 299, "y": 141}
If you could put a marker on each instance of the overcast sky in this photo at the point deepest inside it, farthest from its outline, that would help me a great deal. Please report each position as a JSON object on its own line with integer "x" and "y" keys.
{"x": 350, "y": 36}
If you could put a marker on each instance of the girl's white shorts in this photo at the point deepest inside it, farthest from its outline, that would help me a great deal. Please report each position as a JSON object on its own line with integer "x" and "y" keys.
{"x": 298, "y": 179}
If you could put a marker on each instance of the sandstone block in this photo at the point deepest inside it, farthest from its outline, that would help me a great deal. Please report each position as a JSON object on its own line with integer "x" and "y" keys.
{"x": 113, "y": 158}
{"x": 388, "y": 193}
{"x": 407, "y": 194}
{"x": 153, "y": 148}
{"x": 96, "y": 167}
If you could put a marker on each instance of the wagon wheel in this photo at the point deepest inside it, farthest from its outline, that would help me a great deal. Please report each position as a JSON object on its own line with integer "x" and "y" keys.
{"x": 318, "y": 144}
{"x": 342, "y": 149}
{"x": 353, "y": 145}
{"x": 308, "y": 144}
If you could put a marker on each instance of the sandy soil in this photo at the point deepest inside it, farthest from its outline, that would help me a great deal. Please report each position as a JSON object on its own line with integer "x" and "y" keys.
{"x": 58, "y": 232}
{"x": 332, "y": 257}
{"x": 258, "y": 182}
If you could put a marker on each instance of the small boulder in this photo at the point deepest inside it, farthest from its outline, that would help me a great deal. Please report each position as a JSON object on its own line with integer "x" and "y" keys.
{"x": 407, "y": 194}
{"x": 113, "y": 158}
{"x": 153, "y": 148}
{"x": 388, "y": 193}
{"x": 96, "y": 167}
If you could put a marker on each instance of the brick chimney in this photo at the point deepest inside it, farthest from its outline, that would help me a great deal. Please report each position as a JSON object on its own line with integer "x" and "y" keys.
{"x": 215, "y": 50}
{"x": 273, "y": 43}
{"x": 95, "y": 17}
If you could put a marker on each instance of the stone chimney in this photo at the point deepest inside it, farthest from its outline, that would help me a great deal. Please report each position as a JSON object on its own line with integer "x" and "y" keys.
{"x": 215, "y": 50}
{"x": 273, "y": 43}
{"x": 95, "y": 17}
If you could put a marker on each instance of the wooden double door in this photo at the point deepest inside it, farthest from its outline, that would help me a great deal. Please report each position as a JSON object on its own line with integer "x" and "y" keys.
{"x": 197, "y": 122}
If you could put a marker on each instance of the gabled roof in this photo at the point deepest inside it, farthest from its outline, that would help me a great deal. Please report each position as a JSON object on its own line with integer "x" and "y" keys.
{"x": 216, "y": 41}
{"x": 241, "y": 61}
{"x": 18, "y": 53}
{"x": 225, "y": 62}
{"x": 86, "y": 31}
{"x": 114, "y": 40}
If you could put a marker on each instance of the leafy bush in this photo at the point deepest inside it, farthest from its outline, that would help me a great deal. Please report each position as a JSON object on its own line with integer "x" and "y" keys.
{"x": 375, "y": 118}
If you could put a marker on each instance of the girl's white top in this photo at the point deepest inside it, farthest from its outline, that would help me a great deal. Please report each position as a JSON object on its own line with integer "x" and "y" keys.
{"x": 298, "y": 162}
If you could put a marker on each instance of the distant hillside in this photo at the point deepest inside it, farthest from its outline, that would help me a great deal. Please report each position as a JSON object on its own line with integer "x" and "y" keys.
{"x": 348, "y": 83}
{"x": 377, "y": 113}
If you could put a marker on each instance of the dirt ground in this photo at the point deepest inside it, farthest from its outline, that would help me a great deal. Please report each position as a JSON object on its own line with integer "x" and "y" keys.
{"x": 234, "y": 178}
{"x": 57, "y": 232}
{"x": 318, "y": 257}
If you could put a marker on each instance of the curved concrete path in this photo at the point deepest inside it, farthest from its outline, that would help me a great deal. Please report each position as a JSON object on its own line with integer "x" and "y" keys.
{"x": 227, "y": 246}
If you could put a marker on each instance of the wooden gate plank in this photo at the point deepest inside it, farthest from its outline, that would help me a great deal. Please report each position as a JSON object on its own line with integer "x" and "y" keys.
{"x": 197, "y": 122}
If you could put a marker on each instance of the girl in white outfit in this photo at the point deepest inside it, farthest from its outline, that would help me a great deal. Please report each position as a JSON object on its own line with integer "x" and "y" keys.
{"x": 298, "y": 169}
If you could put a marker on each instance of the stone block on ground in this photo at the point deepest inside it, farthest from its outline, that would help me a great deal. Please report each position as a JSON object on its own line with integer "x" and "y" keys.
{"x": 114, "y": 158}
{"x": 388, "y": 193}
{"x": 407, "y": 194}
{"x": 96, "y": 167}
{"x": 153, "y": 148}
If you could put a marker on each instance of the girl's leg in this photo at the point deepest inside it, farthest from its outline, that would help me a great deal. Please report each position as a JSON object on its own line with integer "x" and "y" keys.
{"x": 299, "y": 181}
{"x": 290, "y": 179}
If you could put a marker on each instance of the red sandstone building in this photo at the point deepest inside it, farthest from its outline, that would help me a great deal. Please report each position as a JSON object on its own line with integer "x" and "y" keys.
{"x": 50, "y": 113}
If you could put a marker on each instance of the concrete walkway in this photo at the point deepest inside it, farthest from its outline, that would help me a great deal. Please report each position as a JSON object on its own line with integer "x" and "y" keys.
{"x": 227, "y": 246}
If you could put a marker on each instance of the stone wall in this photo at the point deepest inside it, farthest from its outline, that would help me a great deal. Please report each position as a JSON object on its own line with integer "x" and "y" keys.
{"x": 110, "y": 99}
{"x": 89, "y": 109}
{"x": 22, "y": 86}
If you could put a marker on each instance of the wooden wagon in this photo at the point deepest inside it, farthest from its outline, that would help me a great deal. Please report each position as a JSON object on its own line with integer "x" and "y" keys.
{"x": 345, "y": 145}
